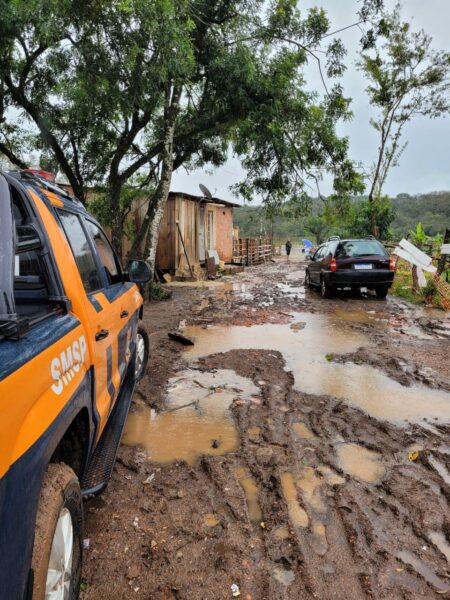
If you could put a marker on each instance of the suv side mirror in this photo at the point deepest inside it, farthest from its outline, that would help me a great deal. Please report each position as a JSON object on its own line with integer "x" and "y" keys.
{"x": 308, "y": 257}
{"x": 139, "y": 271}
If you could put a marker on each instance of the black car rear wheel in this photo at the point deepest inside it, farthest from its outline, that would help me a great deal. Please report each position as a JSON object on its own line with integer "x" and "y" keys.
{"x": 381, "y": 291}
{"x": 308, "y": 280}
{"x": 325, "y": 288}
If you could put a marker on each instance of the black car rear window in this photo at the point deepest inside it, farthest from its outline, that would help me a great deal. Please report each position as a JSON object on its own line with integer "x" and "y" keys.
{"x": 354, "y": 248}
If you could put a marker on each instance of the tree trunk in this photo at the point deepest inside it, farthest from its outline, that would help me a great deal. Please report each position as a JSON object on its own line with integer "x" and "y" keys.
{"x": 115, "y": 189}
{"x": 158, "y": 202}
{"x": 149, "y": 230}
{"x": 444, "y": 257}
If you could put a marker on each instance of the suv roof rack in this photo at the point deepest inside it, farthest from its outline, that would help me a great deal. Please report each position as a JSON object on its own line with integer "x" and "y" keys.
{"x": 369, "y": 237}
{"x": 46, "y": 184}
{"x": 333, "y": 238}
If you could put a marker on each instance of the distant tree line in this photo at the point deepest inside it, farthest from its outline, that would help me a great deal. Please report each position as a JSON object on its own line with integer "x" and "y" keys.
{"x": 397, "y": 217}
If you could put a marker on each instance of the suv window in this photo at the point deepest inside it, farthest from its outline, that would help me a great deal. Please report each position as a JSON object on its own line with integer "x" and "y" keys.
{"x": 31, "y": 291}
{"x": 81, "y": 251}
{"x": 105, "y": 252}
{"x": 355, "y": 248}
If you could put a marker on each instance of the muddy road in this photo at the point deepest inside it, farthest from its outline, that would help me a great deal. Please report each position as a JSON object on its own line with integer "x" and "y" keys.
{"x": 299, "y": 449}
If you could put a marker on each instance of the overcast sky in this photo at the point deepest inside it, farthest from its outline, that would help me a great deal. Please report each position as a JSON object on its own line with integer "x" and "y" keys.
{"x": 424, "y": 165}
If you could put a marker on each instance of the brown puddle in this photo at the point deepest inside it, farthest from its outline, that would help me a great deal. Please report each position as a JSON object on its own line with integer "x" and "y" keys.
{"x": 254, "y": 432}
{"x": 211, "y": 520}
{"x": 251, "y": 494}
{"x": 309, "y": 483}
{"x": 439, "y": 468}
{"x": 297, "y": 514}
{"x": 304, "y": 351}
{"x": 196, "y": 421}
{"x": 440, "y": 541}
{"x": 360, "y": 462}
{"x": 428, "y": 574}
{"x": 331, "y": 477}
{"x": 281, "y": 533}
{"x": 365, "y": 317}
{"x": 302, "y": 431}
{"x": 319, "y": 541}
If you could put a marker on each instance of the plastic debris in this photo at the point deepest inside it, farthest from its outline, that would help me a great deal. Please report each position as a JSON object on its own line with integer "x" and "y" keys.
{"x": 86, "y": 543}
{"x": 262, "y": 525}
{"x": 235, "y": 591}
{"x": 149, "y": 479}
{"x": 414, "y": 455}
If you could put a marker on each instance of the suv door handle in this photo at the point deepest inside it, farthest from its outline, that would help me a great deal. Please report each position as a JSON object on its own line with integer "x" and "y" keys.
{"x": 124, "y": 314}
{"x": 101, "y": 335}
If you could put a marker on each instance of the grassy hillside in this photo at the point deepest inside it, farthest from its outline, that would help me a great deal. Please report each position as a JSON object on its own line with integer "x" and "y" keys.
{"x": 432, "y": 210}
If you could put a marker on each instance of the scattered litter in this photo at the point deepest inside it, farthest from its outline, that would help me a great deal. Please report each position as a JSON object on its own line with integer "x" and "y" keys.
{"x": 136, "y": 522}
{"x": 262, "y": 525}
{"x": 149, "y": 479}
{"x": 86, "y": 543}
{"x": 261, "y": 382}
{"x": 178, "y": 337}
{"x": 414, "y": 455}
{"x": 235, "y": 591}
{"x": 399, "y": 569}
{"x": 329, "y": 357}
{"x": 215, "y": 444}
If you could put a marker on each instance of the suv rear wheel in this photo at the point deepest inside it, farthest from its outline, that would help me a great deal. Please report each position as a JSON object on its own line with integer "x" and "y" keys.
{"x": 57, "y": 547}
{"x": 325, "y": 288}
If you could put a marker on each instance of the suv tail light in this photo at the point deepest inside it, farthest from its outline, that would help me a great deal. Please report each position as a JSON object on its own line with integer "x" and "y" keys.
{"x": 392, "y": 263}
{"x": 333, "y": 265}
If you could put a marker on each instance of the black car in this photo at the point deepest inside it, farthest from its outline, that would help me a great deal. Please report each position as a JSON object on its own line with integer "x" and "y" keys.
{"x": 350, "y": 264}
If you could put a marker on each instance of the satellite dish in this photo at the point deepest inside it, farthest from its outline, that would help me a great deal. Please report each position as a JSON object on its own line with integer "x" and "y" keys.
{"x": 205, "y": 191}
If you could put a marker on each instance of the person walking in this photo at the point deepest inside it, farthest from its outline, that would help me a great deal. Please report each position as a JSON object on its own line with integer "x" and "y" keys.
{"x": 288, "y": 248}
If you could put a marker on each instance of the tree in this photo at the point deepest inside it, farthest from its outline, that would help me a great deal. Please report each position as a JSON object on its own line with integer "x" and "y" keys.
{"x": 407, "y": 78}
{"x": 112, "y": 89}
{"x": 318, "y": 226}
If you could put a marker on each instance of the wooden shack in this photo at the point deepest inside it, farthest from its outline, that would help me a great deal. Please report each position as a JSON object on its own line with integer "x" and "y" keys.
{"x": 191, "y": 226}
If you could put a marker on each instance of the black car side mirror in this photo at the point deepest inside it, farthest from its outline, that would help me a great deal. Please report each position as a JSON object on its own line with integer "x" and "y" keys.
{"x": 139, "y": 271}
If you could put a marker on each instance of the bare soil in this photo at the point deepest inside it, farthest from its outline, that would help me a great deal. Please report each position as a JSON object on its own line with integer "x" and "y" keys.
{"x": 343, "y": 506}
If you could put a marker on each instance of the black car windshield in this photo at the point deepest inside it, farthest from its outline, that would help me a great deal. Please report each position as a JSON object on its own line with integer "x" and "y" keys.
{"x": 354, "y": 248}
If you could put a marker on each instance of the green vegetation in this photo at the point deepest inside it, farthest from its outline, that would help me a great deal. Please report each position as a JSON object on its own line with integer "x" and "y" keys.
{"x": 111, "y": 91}
{"x": 407, "y": 79}
{"x": 403, "y": 287}
{"x": 431, "y": 210}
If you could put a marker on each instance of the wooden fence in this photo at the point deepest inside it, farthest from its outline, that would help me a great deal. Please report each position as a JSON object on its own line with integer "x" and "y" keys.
{"x": 251, "y": 251}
